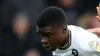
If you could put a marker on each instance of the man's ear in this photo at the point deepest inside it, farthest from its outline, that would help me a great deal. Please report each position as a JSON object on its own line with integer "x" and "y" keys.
{"x": 64, "y": 29}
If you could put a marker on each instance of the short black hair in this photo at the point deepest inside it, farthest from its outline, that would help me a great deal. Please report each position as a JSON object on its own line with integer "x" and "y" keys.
{"x": 51, "y": 16}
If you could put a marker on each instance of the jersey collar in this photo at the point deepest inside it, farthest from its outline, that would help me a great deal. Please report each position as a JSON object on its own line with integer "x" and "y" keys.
{"x": 68, "y": 44}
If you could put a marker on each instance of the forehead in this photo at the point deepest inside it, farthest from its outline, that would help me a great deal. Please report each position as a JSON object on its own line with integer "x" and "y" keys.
{"x": 46, "y": 29}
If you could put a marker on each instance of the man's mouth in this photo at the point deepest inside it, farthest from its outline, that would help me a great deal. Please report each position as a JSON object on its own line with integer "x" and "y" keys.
{"x": 48, "y": 47}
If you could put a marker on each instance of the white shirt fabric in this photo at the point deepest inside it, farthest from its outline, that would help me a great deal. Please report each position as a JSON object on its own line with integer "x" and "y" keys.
{"x": 83, "y": 43}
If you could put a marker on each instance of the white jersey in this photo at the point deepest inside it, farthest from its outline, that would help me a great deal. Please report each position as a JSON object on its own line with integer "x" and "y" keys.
{"x": 83, "y": 43}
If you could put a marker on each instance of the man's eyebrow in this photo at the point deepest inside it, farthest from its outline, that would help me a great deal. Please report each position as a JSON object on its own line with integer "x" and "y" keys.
{"x": 43, "y": 31}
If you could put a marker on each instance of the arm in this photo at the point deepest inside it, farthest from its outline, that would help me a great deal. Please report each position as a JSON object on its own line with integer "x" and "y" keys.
{"x": 86, "y": 42}
{"x": 98, "y": 13}
{"x": 89, "y": 43}
{"x": 93, "y": 44}
{"x": 96, "y": 30}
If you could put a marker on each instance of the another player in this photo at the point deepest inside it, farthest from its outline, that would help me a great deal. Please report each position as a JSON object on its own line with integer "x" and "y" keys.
{"x": 63, "y": 39}
{"x": 96, "y": 30}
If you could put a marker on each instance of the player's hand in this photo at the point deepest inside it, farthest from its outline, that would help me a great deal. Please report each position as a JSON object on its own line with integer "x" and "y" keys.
{"x": 98, "y": 13}
{"x": 95, "y": 31}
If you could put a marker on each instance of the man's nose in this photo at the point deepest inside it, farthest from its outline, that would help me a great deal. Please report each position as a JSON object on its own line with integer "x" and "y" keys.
{"x": 44, "y": 41}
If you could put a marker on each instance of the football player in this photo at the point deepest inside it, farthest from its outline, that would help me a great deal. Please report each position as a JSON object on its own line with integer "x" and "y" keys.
{"x": 63, "y": 39}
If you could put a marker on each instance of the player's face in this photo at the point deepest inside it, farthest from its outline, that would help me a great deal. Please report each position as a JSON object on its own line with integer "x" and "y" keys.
{"x": 51, "y": 38}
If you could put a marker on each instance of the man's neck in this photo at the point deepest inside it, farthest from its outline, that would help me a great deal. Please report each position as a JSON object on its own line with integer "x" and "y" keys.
{"x": 65, "y": 41}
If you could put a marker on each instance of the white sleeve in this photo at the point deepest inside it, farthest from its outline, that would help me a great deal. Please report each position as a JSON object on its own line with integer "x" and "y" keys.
{"x": 86, "y": 42}
{"x": 94, "y": 43}
{"x": 89, "y": 42}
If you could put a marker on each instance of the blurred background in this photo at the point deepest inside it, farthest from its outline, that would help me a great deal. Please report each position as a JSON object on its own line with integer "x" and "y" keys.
{"x": 18, "y": 35}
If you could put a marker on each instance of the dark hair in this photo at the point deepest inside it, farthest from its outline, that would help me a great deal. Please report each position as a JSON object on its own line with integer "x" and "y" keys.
{"x": 51, "y": 16}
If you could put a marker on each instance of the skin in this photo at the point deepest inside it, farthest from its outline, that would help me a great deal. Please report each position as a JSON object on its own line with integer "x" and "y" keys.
{"x": 65, "y": 3}
{"x": 96, "y": 30}
{"x": 20, "y": 26}
{"x": 53, "y": 37}
{"x": 32, "y": 52}
{"x": 98, "y": 13}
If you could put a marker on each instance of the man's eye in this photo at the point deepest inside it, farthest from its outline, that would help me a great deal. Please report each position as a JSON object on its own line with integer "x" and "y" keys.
{"x": 39, "y": 33}
{"x": 46, "y": 34}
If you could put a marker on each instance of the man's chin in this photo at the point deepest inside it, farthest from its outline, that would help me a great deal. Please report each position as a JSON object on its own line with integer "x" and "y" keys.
{"x": 51, "y": 49}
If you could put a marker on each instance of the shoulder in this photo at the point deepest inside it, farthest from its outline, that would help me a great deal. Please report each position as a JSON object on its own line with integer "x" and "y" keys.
{"x": 86, "y": 41}
{"x": 73, "y": 27}
{"x": 79, "y": 31}
{"x": 81, "y": 37}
